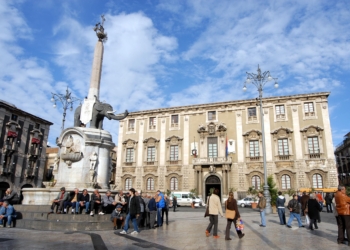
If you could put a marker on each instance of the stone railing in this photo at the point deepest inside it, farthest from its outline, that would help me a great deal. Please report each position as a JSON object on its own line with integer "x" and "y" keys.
{"x": 212, "y": 160}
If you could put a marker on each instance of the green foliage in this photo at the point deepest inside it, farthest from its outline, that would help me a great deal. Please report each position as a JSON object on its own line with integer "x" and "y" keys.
{"x": 194, "y": 192}
{"x": 253, "y": 192}
{"x": 232, "y": 189}
{"x": 168, "y": 192}
{"x": 290, "y": 192}
{"x": 272, "y": 189}
{"x": 211, "y": 191}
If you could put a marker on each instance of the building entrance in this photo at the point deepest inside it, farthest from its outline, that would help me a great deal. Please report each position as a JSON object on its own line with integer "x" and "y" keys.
{"x": 212, "y": 182}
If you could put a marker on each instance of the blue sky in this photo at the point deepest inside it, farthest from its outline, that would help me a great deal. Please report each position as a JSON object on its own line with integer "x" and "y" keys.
{"x": 172, "y": 53}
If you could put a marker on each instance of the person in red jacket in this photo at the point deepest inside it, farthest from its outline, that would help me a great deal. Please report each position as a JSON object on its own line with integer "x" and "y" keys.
{"x": 342, "y": 202}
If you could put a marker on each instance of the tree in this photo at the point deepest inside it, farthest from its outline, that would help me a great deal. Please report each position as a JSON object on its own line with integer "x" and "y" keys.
{"x": 272, "y": 189}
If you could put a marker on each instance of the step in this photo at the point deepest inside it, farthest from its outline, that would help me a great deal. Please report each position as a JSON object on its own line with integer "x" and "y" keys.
{"x": 63, "y": 225}
{"x": 63, "y": 217}
{"x": 33, "y": 208}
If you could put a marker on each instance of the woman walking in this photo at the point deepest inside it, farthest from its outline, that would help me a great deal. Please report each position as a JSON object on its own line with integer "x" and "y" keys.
{"x": 313, "y": 210}
{"x": 214, "y": 209}
{"x": 231, "y": 205}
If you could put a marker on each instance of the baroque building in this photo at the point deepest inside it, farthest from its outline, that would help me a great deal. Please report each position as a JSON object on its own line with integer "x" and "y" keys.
{"x": 342, "y": 154}
{"x": 23, "y": 140}
{"x": 220, "y": 145}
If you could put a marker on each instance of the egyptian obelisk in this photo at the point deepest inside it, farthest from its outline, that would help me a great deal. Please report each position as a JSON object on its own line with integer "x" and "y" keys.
{"x": 94, "y": 91}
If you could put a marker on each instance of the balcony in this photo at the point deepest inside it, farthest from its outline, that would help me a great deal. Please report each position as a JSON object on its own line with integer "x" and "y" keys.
{"x": 284, "y": 158}
{"x": 175, "y": 162}
{"x": 254, "y": 158}
{"x": 129, "y": 164}
{"x": 212, "y": 161}
{"x": 174, "y": 125}
{"x": 150, "y": 163}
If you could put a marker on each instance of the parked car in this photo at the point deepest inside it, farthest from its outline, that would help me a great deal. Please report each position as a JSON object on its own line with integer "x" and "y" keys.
{"x": 185, "y": 199}
{"x": 245, "y": 202}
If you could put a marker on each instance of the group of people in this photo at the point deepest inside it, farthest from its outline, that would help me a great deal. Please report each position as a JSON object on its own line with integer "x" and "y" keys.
{"x": 215, "y": 208}
{"x": 7, "y": 213}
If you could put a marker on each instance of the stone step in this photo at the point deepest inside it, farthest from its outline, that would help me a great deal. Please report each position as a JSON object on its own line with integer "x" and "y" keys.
{"x": 33, "y": 208}
{"x": 63, "y": 225}
{"x": 63, "y": 217}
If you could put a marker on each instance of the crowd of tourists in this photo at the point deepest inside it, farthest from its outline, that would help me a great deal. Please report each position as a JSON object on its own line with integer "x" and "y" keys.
{"x": 143, "y": 211}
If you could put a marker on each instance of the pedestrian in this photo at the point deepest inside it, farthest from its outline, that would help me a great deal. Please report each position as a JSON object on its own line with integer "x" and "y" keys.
{"x": 165, "y": 209}
{"x": 160, "y": 205}
{"x": 294, "y": 209}
{"x": 319, "y": 198}
{"x": 280, "y": 208}
{"x": 342, "y": 202}
{"x": 174, "y": 203}
{"x": 214, "y": 209}
{"x": 133, "y": 213}
{"x": 261, "y": 207}
{"x": 231, "y": 205}
{"x": 313, "y": 211}
{"x": 328, "y": 200}
{"x": 303, "y": 202}
{"x": 152, "y": 207}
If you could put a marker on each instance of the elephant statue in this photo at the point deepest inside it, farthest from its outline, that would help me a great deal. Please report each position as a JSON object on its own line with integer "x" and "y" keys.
{"x": 100, "y": 110}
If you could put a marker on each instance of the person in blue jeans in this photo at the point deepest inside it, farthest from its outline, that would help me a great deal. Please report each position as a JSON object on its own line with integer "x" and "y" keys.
{"x": 294, "y": 209}
{"x": 262, "y": 206}
{"x": 160, "y": 205}
{"x": 280, "y": 208}
{"x": 9, "y": 215}
{"x": 133, "y": 213}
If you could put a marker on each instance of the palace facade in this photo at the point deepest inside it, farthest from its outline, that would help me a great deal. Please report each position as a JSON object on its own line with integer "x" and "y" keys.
{"x": 23, "y": 142}
{"x": 220, "y": 145}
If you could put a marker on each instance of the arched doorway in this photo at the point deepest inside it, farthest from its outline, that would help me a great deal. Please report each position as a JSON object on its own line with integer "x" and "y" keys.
{"x": 212, "y": 182}
{"x": 3, "y": 187}
{"x": 21, "y": 195}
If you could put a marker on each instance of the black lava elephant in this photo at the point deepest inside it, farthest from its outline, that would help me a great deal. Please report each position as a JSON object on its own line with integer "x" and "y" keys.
{"x": 100, "y": 110}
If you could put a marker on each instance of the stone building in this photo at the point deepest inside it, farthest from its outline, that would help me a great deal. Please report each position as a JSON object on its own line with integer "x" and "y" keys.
{"x": 23, "y": 139}
{"x": 342, "y": 154}
{"x": 220, "y": 145}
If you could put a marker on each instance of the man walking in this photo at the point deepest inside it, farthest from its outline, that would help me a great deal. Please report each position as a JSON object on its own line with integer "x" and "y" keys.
{"x": 342, "y": 202}
{"x": 294, "y": 209}
{"x": 280, "y": 208}
{"x": 262, "y": 206}
{"x": 133, "y": 213}
{"x": 215, "y": 208}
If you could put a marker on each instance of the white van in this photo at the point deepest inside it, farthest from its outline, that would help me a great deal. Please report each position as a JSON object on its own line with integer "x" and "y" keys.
{"x": 185, "y": 199}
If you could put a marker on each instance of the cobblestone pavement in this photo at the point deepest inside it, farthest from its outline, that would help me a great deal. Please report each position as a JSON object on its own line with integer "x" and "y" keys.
{"x": 186, "y": 230}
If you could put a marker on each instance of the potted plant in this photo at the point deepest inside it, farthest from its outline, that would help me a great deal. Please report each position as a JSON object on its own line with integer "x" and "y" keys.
{"x": 273, "y": 192}
{"x": 253, "y": 192}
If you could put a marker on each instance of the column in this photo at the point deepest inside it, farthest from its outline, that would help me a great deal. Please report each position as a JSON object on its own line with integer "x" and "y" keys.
{"x": 239, "y": 131}
{"x": 296, "y": 133}
{"x": 267, "y": 134}
{"x": 96, "y": 72}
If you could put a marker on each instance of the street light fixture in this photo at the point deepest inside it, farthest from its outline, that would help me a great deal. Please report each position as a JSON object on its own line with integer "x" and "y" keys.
{"x": 260, "y": 80}
{"x": 66, "y": 100}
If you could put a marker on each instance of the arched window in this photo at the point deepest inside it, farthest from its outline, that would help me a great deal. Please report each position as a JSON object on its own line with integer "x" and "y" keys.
{"x": 286, "y": 181}
{"x": 317, "y": 181}
{"x": 173, "y": 184}
{"x": 128, "y": 183}
{"x": 256, "y": 182}
{"x": 150, "y": 184}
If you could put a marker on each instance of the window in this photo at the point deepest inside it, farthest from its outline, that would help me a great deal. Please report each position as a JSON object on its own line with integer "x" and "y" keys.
{"x": 317, "y": 181}
{"x": 252, "y": 114}
{"x": 280, "y": 112}
{"x": 37, "y": 125}
{"x": 174, "y": 120}
{"x": 212, "y": 147}
{"x": 256, "y": 182}
{"x": 254, "y": 148}
{"x": 152, "y": 123}
{"x": 128, "y": 183}
{"x": 150, "y": 184}
{"x": 129, "y": 155}
{"x": 283, "y": 147}
{"x": 313, "y": 146}
{"x": 211, "y": 115}
{"x": 285, "y": 181}
{"x": 309, "y": 109}
{"x": 174, "y": 153}
{"x": 131, "y": 125}
{"x": 151, "y": 154}
{"x": 173, "y": 184}
{"x": 14, "y": 117}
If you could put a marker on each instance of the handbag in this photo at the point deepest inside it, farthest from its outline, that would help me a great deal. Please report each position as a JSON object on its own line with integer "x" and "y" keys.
{"x": 207, "y": 209}
{"x": 230, "y": 214}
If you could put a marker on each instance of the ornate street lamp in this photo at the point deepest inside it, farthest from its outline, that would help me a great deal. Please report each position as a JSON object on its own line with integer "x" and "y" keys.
{"x": 260, "y": 80}
{"x": 66, "y": 100}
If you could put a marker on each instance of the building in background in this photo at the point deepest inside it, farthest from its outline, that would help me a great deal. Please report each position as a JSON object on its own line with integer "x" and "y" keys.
{"x": 342, "y": 154}
{"x": 23, "y": 140}
{"x": 220, "y": 145}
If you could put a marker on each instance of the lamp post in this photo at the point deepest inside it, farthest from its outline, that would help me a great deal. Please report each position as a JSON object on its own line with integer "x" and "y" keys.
{"x": 260, "y": 80}
{"x": 66, "y": 100}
